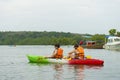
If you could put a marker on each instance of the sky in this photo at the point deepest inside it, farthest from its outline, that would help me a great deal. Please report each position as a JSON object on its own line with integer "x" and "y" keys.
{"x": 75, "y": 16}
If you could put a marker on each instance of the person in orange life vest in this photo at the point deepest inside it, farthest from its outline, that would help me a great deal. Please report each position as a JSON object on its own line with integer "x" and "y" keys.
{"x": 77, "y": 53}
{"x": 58, "y": 52}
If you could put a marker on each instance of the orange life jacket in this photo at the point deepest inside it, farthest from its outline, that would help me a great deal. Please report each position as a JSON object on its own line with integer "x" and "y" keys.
{"x": 59, "y": 53}
{"x": 81, "y": 52}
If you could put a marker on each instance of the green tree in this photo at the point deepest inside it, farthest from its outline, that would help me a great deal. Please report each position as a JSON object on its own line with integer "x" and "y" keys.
{"x": 118, "y": 34}
{"x": 112, "y": 32}
{"x": 100, "y": 39}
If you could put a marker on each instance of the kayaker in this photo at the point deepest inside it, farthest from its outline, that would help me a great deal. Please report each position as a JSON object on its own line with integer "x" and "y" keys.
{"x": 77, "y": 53}
{"x": 58, "y": 52}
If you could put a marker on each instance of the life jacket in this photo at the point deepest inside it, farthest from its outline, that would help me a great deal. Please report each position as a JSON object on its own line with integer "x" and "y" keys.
{"x": 81, "y": 52}
{"x": 59, "y": 54}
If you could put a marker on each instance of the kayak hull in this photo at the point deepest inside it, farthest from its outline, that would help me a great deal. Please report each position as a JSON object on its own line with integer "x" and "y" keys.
{"x": 87, "y": 62}
{"x": 42, "y": 59}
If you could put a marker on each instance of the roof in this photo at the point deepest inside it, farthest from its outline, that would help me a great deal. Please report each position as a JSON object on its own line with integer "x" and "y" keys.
{"x": 114, "y": 37}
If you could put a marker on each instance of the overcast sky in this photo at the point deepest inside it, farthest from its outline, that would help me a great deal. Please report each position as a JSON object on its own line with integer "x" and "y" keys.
{"x": 75, "y": 16}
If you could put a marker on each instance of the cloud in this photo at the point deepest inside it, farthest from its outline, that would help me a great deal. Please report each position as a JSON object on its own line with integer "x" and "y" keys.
{"x": 70, "y": 15}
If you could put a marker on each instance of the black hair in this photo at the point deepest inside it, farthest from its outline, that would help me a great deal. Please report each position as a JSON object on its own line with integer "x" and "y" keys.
{"x": 76, "y": 45}
{"x": 57, "y": 45}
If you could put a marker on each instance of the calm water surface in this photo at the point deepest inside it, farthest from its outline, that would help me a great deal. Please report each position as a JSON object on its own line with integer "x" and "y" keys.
{"x": 14, "y": 65}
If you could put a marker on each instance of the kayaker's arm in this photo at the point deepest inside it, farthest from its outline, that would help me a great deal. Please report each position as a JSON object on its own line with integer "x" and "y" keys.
{"x": 70, "y": 54}
{"x": 54, "y": 53}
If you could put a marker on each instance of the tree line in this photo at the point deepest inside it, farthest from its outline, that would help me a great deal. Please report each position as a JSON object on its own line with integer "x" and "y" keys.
{"x": 46, "y": 38}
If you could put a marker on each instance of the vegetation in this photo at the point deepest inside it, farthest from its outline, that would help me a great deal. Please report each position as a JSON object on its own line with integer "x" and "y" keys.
{"x": 100, "y": 39}
{"x": 46, "y": 38}
{"x": 114, "y": 32}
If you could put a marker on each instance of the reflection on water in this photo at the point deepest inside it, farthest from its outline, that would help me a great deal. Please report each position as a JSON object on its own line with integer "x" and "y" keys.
{"x": 78, "y": 71}
{"x": 58, "y": 71}
{"x": 65, "y": 71}
{"x": 94, "y": 66}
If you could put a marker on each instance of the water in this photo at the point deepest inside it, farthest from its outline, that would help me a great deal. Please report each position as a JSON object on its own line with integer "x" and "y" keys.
{"x": 14, "y": 65}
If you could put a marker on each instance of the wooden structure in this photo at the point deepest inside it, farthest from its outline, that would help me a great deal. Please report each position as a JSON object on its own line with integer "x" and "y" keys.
{"x": 91, "y": 45}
